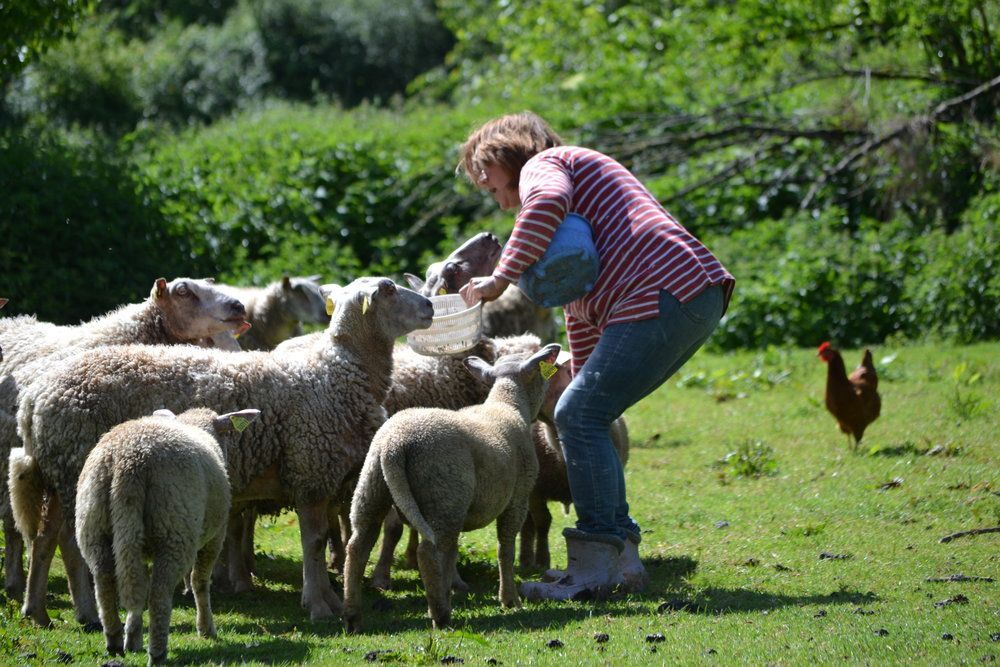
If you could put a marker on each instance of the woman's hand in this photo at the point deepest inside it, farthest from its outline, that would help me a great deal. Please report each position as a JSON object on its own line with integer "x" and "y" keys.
{"x": 485, "y": 288}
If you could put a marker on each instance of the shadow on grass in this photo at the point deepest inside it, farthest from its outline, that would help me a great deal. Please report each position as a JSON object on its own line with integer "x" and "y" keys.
{"x": 905, "y": 449}
{"x": 715, "y": 601}
{"x": 220, "y": 651}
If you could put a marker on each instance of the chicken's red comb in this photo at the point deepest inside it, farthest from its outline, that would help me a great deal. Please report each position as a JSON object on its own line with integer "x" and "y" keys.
{"x": 824, "y": 346}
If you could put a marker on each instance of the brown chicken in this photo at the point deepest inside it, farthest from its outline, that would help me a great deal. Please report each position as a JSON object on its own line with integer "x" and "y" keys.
{"x": 852, "y": 399}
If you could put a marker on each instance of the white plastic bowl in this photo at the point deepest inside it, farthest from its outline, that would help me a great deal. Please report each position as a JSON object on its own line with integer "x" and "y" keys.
{"x": 456, "y": 327}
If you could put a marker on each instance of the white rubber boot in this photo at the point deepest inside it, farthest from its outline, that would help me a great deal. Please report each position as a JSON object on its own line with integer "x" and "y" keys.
{"x": 593, "y": 570}
{"x": 635, "y": 575}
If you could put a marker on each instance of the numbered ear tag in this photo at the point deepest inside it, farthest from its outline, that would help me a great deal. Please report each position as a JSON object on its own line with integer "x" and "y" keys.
{"x": 547, "y": 370}
{"x": 331, "y": 306}
{"x": 442, "y": 292}
{"x": 366, "y": 304}
{"x": 239, "y": 423}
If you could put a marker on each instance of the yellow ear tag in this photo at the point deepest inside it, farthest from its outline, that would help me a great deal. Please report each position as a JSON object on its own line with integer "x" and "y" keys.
{"x": 547, "y": 370}
{"x": 442, "y": 292}
{"x": 366, "y": 304}
{"x": 239, "y": 423}
{"x": 331, "y": 306}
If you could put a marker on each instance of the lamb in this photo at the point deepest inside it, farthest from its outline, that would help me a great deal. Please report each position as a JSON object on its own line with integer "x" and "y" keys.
{"x": 324, "y": 405}
{"x": 510, "y": 315}
{"x": 155, "y": 488}
{"x": 277, "y": 310}
{"x": 184, "y": 310}
{"x": 452, "y": 471}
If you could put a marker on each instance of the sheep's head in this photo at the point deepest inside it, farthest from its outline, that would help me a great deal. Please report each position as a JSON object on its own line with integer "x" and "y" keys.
{"x": 194, "y": 309}
{"x": 375, "y": 306}
{"x": 303, "y": 299}
{"x": 476, "y": 257}
{"x": 531, "y": 372}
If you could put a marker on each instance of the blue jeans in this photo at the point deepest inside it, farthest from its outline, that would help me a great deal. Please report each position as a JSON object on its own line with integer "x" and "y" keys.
{"x": 630, "y": 361}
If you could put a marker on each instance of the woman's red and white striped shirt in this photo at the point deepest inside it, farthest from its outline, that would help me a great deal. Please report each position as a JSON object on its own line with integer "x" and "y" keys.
{"x": 642, "y": 249}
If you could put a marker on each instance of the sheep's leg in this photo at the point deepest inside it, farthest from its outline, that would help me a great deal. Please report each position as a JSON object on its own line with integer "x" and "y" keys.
{"x": 43, "y": 548}
{"x": 106, "y": 587}
{"x": 13, "y": 558}
{"x": 541, "y": 517}
{"x": 168, "y": 568}
{"x": 526, "y": 555}
{"x": 246, "y": 543}
{"x": 237, "y": 564}
{"x": 436, "y": 567}
{"x": 201, "y": 580}
{"x": 81, "y": 587}
{"x": 336, "y": 540}
{"x": 508, "y": 524}
{"x": 392, "y": 531}
{"x": 411, "y": 549}
{"x": 364, "y": 534}
{"x": 133, "y": 630}
{"x": 317, "y": 594}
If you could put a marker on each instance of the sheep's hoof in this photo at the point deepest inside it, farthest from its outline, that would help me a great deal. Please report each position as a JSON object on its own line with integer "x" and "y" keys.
{"x": 352, "y": 623}
{"x": 93, "y": 626}
{"x": 39, "y": 616}
{"x": 157, "y": 659}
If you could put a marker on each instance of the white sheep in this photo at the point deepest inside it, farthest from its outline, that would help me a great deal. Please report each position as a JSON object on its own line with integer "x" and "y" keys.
{"x": 183, "y": 310}
{"x": 421, "y": 381}
{"x": 323, "y": 405}
{"x": 278, "y": 310}
{"x": 510, "y": 315}
{"x": 452, "y": 471}
{"x": 155, "y": 489}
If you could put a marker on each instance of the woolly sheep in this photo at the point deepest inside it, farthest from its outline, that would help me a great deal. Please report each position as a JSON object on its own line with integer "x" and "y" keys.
{"x": 324, "y": 404}
{"x": 452, "y": 471}
{"x": 512, "y": 314}
{"x": 421, "y": 381}
{"x": 155, "y": 489}
{"x": 277, "y": 310}
{"x": 183, "y": 310}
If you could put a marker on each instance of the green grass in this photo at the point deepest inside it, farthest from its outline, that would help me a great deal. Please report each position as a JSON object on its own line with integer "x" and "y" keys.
{"x": 756, "y": 588}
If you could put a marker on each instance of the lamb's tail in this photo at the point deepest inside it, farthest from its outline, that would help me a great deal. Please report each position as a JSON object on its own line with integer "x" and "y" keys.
{"x": 27, "y": 491}
{"x": 128, "y": 501}
{"x": 394, "y": 470}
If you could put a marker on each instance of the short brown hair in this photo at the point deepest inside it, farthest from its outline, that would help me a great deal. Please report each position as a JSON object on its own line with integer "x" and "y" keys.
{"x": 508, "y": 141}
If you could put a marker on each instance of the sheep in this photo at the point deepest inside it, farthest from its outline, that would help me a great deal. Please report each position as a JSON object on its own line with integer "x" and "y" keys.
{"x": 183, "y": 310}
{"x": 156, "y": 489}
{"x": 276, "y": 311}
{"x": 417, "y": 381}
{"x": 452, "y": 471}
{"x": 324, "y": 404}
{"x": 436, "y": 382}
{"x": 512, "y": 314}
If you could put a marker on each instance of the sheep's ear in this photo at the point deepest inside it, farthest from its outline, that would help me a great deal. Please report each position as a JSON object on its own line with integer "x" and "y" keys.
{"x": 235, "y": 422}
{"x": 415, "y": 282}
{"x": 545, "y": 360}
{"x": 315, "y": 278}
{"x": 159, "y": 287}
{"x": 286, "y": 282}
{"x": 329, "y": 292}
{"x": 481, "y": 370}
{"x": 3, "y": 302}
{"x": 163, "y": 412}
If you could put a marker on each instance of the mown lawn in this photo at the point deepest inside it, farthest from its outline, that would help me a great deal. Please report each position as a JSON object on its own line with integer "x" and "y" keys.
{"x": 735, "y": 560}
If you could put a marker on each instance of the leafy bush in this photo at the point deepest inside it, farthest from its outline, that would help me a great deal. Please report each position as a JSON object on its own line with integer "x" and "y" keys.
{"x": 289, "y": 189}
{"x": 86, "y": 81}
{"x": 199, "y": 73}
{"x": 77, "y": 240}
{"x": 350, "y": 50}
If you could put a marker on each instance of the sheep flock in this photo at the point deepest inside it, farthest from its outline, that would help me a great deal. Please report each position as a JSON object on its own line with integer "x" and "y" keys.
{"x": 349, "y": 429}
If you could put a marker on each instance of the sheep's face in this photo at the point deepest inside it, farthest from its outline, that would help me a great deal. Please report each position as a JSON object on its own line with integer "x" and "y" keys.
{"x": 476, "y": 257}
{"x": 531, "y": 372}
{"x": 378, "y": 306}
{"x": 197, "y": 308}
{"x": 303, "y": 299}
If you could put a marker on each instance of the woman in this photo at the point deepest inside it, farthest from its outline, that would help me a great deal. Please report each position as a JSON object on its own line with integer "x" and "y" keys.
{"x": 658, "y": 296}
